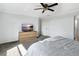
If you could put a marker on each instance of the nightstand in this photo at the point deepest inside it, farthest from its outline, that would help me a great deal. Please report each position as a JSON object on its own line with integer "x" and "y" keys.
{"x": 27, "y": 37}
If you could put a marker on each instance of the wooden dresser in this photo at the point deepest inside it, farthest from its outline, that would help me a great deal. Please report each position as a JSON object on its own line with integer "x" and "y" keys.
{"x": 26, "y": 37}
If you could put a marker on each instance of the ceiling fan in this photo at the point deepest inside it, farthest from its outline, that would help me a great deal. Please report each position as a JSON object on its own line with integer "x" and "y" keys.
{"x": 46, "y": 7}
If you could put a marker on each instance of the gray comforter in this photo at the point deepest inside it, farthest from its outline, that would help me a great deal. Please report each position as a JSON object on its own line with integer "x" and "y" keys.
{"x": 62, "y": 47}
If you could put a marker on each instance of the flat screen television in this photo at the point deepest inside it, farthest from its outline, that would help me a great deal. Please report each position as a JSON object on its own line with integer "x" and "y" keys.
{"x": 27, "y": 27}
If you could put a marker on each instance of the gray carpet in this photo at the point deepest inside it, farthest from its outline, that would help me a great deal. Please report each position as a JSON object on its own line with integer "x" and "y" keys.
{"x": 7, "y": 46}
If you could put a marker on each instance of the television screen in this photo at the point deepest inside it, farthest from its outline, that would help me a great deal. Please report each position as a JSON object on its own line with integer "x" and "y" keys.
{"x": 27, "y": 27}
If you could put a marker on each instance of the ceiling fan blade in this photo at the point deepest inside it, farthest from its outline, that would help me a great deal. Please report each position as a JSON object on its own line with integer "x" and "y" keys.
{"x": 38, "y": 8}
{"x": 53, "y": 5}
{"x": 42, "y": 4}
{"x": 43, "y": 11}
{"x": 51, "y": 9}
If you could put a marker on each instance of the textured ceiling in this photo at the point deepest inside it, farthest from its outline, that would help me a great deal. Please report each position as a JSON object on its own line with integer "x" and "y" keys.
{"x": 27, "y": 9}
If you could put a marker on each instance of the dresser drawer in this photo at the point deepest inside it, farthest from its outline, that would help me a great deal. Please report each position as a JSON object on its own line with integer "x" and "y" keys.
{"x": 26, "y": 37}
{"x": 27, "y": 33}
{"x": 34, "y": 35}
{"x": 27, "y": 40}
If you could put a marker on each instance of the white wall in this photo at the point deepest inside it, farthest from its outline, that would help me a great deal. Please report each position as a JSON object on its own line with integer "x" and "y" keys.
{"x": 60, "y": 22}
{"x": 10, "y": 26}
{"x": 59, "y": 26}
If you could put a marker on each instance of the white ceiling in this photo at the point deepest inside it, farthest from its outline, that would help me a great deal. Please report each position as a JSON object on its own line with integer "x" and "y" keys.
{"x": 27, "y": 9}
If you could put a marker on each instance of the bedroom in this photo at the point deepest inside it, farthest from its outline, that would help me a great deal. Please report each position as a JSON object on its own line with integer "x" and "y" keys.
{"x": 48, "y": 24}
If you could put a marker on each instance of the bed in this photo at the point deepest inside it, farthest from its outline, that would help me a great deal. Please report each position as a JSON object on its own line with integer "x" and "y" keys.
{"x": 57, "y": 46}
